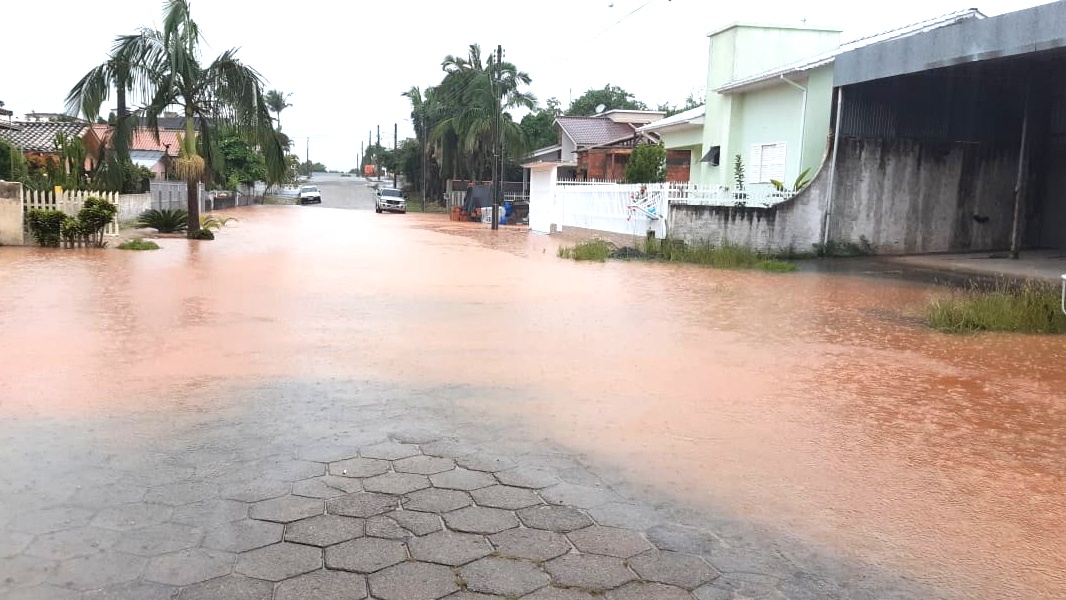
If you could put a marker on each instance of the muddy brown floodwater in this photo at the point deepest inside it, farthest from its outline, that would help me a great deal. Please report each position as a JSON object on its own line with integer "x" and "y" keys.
{"x": 810, "y": 402}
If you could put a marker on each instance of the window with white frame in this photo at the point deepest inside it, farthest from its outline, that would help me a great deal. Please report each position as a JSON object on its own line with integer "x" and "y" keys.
{"x": 767, "y": 162}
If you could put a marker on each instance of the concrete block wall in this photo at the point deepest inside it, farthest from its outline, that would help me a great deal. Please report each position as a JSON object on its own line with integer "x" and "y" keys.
{"x": 11, "y": 214}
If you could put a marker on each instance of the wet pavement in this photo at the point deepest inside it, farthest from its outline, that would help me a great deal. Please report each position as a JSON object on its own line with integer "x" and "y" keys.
{"x": 171, "y": 422}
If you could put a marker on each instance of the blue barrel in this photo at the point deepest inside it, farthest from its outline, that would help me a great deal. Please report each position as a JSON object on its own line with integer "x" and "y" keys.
{"x": 508, "y": 208}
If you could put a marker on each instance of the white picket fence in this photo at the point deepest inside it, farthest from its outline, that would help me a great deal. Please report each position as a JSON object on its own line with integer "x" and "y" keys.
{"x": 67, "y": 202}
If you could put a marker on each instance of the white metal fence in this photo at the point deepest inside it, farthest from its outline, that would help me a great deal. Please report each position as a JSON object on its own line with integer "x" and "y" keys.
{"x": 753, "y": 195}
{"x": 632, "y": 209}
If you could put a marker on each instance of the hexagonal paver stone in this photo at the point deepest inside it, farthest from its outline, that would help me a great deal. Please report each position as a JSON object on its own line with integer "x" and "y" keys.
{"x": 485, "y": 462}
{"x": 210, "y": 513}
{"x": 629, "y": 516}
{"x": 132, "y": 516}
{"x": 361, "y": 504}
{"x": 175, "y": 494}
{"x": 389, "y": 451}
{"x": 186, "y": 567}
{"x": 503, "y": 496}
{"x": 101, "y": 496}
{"x": 478, "y": 519}
{"x": 287, "y": 469}
{"x": 639, "y": 590}
{"x": 99, "y": 570}
{"x": 324, "y": 530}
{"x": 462, "y": 479}
{"x": 51, "y": 519}
{"x": 423, "y": 465}
{"x": 230, "y": 587}
{"x": 381, "y": 526}
{"x": 437, "y": 501}
{"x": 418, "y": 523}
{"x": 255, "y": 490}
{"x": 413, "y": 581}
{"x": 243, "y": 535}
{"x": 449, "y": 448}
{"x": 286, "y": 509}
{"x": 590, "y": 572}
{"x": 280, "y": 561}
{"x": 554, "y": 593}
{"x": 581, "y": 496}
{"x": 561, "y": 519}
{"x": 327, "y": 452}
{"x": 327, "y": 486}
{"x": 414, "y": 436}
{"x": 326, "y": 585}
{"x": 473, "y": 596}
{"x": 13, "y": 542}
{"x": 396, "y": 483}
{"x": 69, "y": 543}
{"x": 358, "y": 467}
{"x": 503, "y": 576}
{"x": 528, "y": 477}
{"x": 673, "y": 568}
{"x": 610, "y": 541}
{"x": 448, "y": 548}
{"x": 159, "y": 539}
{"x": 530, "y": 544}
{"x": 365, "y": 555}
{"x": 23, "y": 570}
{"x": 132, "y": 590}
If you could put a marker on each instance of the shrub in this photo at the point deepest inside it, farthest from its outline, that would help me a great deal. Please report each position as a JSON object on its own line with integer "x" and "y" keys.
{"x": 776, "y": 266}
{"x": 596, "y": 249}
{"x": 46, "y": 226}
{"x": 94, "y": 216}
{"x": 214, "y": 222}
{"x": 166, "y": 220}
{"x": 202, "y": 234}
{"x": 138, "y": 244}
{"x": 1026, "y": 308}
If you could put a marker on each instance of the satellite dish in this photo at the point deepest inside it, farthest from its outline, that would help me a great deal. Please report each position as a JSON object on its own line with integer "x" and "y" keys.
{"x": 600, "y": 108}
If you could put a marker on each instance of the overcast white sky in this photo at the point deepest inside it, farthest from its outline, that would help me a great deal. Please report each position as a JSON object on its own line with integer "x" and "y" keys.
{"x": 346, "y": 63}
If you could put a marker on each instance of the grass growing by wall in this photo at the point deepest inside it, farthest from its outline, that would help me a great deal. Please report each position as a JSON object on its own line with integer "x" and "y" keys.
{"x": 1025, "y": 308}
{"x": 138, "y": 244}
{"x": 596, "y": 250}
{"x": 724, "y": 256}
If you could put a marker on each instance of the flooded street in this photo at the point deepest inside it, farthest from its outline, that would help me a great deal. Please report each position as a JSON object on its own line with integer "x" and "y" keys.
{"x": 811, "y": 404}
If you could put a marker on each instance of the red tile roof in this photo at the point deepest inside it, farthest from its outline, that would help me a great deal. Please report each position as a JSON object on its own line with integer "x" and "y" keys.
{"x": 144, "y": 139}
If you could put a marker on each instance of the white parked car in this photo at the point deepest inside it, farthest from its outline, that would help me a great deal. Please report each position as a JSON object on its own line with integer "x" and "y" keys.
{"x": 309, "y": 194}
{"x": 390, "y": 200}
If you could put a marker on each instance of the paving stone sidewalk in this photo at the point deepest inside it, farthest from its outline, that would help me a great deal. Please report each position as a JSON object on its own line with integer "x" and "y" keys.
{"x": 411, "y": 518}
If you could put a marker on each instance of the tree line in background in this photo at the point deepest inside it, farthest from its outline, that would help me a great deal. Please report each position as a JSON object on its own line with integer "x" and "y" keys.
{"x": 453, "y": 121}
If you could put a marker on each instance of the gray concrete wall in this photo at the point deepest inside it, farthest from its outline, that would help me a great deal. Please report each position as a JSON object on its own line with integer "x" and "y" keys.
{"x": 910, "y": 197}
{"x": 11, "y": 214}
{"x": 795, "y": 223}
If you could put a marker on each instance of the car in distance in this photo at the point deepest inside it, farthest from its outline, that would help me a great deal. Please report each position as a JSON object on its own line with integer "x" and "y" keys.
{"x": 390, "y": 200}
{"x": 309, "y": 194}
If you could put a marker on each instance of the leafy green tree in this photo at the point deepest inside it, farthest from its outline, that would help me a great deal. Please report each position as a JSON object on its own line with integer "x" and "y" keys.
{"x": 692, "y": 101}
{"x": 12, "y": 163}
{"x": 647, "y": 164}
{"x": 611, "y": 96}
{"x": 539, "y": 126}
{"x": 223, "y": 94}
{"x": 243, "y": 165}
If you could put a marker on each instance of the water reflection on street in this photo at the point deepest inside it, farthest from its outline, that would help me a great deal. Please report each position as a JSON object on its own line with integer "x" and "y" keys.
{"x": 813, "y": 402}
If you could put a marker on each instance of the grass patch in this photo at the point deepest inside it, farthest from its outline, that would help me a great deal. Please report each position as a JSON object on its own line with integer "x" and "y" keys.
{"x": 596, "y": 250}
{"x": 776, "y": 266}
{"x": 414, "y": 204}
{"x": 138, "y": 244}
{"x": 723, "y": 256}
{"x": 1025, "y": 308}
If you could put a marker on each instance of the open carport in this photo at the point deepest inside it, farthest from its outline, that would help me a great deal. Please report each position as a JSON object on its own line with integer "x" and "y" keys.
{"x": 955, "y": 140}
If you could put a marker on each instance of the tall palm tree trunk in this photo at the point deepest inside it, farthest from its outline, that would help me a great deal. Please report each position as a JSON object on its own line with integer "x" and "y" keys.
{"x": 192, "y": 179}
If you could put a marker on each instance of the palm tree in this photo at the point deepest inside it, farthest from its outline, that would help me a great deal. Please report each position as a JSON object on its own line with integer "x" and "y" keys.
{"x": 225, "y": 94}
{"x": 277, "y": 102}
{"x": 472, "y": 89}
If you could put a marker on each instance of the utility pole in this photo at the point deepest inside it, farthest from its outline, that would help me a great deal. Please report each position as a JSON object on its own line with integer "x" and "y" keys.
{"x": 307, "y": 155}
{"x": 360, "y": 161}
{"x": 496, "y": 170}
{"x": 377, "y": 156}
{"x": 423, "y": 136}
{"x": 395, "y": 142}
